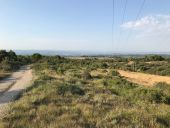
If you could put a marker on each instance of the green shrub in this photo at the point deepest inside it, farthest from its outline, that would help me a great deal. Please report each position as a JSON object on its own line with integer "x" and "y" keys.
{"x": 104, "y": 65}
{"x": 115, "y": 73}
{"x": 167, "y": 101}
{"x": 73, "y": 89}
{"x": 62, "y": 89}
{"x": 46, "y": 77}
{"x": 162, "y": 86}
{"x": 158, "y": 97}
{"x": 86, "y": 75}
{"x": 72, "y": 81}
{"x": 60, "y": 70}
{"x": 154, "y": 58}
{"x": 164, "y": 120}
{"x": 36, "y": 57}
{"x": 105, "y": 83}
{"x": 5, "y": 65}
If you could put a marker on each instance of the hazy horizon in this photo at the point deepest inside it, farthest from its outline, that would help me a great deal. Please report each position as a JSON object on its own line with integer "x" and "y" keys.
{"x": 84, "y": 52}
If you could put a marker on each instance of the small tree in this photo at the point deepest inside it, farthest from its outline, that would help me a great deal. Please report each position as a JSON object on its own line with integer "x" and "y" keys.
{"x": 3, "y": 54}
{"x": 12, "y": 55}
{"x": 115, "y": 73}
{"x": 36, "y": 57}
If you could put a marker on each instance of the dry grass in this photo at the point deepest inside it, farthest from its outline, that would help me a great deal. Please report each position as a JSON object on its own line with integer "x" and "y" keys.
{"x": 144, "y": 79}
{"x": 156, "y": 62}
{"x": 130, "y": 63}
{"x": 99, "y": 72}
{"x": 103, "y": 100}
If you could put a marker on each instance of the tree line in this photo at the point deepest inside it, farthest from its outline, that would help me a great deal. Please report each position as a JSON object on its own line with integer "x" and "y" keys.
{"x": 9, "y": 61}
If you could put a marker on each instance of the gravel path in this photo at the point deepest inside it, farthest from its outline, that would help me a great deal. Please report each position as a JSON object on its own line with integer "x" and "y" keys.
{"x": 11, "y": 87}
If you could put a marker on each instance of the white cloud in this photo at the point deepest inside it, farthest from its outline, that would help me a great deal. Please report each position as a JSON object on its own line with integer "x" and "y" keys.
{"x": 147, "y": 21}
{"x": 155, "y": 24}
{"x": 150, "y": 33}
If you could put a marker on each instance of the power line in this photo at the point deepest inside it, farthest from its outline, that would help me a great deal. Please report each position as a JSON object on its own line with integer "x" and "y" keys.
{"x": 140, "y": 10}
{"x": 123, "y": 18}
{"x": 113, "y": 19}
{"x": 137, "y": 16}
{"x": 124, "y": 11}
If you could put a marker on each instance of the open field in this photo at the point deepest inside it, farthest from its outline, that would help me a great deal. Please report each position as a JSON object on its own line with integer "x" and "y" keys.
{"x": 88, "y": 93}
{"x": 144, "y": 79}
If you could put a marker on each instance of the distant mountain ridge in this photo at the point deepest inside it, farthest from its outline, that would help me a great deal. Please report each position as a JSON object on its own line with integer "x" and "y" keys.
{"x": 85, "y": 53}
{"x": 59, "y": 52}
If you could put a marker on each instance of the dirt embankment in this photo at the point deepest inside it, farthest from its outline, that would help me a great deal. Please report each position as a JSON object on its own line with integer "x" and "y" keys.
{"x": 144, "y": 79}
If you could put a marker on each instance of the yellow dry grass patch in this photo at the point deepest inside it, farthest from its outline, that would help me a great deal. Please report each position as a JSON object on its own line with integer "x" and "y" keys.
{"x": 156, "y": 62}
{"x": 101, "y": 72}
{"x": 130, "y": 63}
{"x": 144, "y": 79}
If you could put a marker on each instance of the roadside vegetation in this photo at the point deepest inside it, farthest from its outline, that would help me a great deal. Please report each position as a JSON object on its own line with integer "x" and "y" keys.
{"x": 10, "y": 62}
{"x": 90, "y": 93}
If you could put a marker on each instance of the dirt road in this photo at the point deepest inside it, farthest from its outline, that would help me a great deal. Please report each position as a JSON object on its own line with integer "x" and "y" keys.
{"x": 11, "y": 87}
{"x": 144, "y": 79}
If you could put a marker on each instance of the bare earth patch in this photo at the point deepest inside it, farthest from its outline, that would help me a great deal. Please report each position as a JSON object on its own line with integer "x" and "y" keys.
{"x": 144, "y": 79}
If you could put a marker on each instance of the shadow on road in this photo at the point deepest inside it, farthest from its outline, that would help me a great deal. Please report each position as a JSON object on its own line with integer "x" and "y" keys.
{"x": 10, "y": 96}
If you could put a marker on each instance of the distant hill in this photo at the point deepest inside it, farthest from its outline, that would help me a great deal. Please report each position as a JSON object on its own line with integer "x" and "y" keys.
{"x": 86, "y": 53}
{"x": 61, "y": 53}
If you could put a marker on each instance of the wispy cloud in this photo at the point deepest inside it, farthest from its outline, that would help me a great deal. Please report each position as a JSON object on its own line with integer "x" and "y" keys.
{"x": 150, "y": 25}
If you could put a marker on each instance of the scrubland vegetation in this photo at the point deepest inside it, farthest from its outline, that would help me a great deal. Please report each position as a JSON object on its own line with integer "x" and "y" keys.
{"x": 153, "y": 64}
{"x": 90, "y": 93}
{"x": 10, "y": 62}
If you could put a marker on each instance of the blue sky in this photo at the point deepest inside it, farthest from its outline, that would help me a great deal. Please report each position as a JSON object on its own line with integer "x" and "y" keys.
{"x": 85, "y": 25}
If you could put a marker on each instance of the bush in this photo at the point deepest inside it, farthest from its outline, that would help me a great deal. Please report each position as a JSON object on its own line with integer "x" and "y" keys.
{"x": 10, "y": 61}
{"x": 5, "y": 65}
{"x": 150, "y": 95}
{"x": 158, "y": 97}
{"x": 36, "y": 57}
{"x": 104, "y": 65}
{"x": 105, "y": 83}
{"x": 86, "y": 75}
{"x": 73, "y": 89}
{"x": 62, "y": 89}
{"x": 115, "y": 73}
{"x": 165, "y": 88}
{"x": 154, "y": 58}
{"x": 46, "y": 77}
{"x": 162, "y": 86}
{"x": 60, "y": 70}
{"x": 164, "y": 120}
